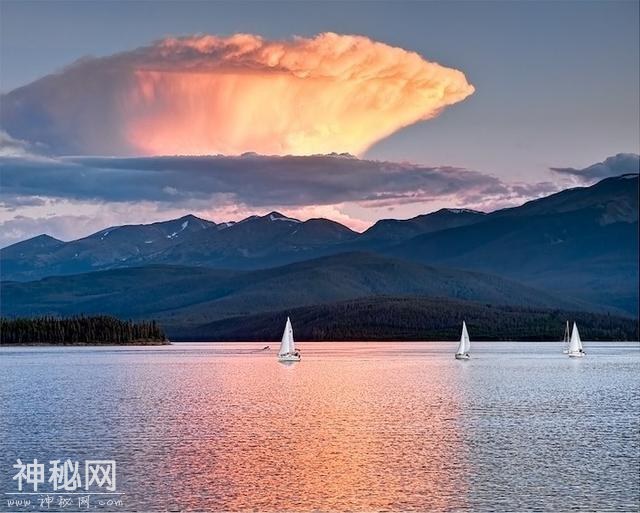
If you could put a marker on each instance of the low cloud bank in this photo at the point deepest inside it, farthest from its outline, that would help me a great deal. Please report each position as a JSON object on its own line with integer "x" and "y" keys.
{"x": 620, "y": 164}
{"x": 252, "y": 180}
{"x": 45, "y": 194}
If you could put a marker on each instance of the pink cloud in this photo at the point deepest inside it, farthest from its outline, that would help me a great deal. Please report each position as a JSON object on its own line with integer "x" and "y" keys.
{"x": 230, "y": 95}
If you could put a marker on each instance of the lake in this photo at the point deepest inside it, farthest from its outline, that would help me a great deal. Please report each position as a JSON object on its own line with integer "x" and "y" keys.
{"x": 353, "y": 426}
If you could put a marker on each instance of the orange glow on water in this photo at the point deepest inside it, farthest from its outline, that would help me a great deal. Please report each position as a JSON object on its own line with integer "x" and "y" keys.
{"x": 320, "y": 438}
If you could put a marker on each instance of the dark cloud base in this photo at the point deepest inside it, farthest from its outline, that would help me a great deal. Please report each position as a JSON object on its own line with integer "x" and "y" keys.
{"x": 253, "y": 180}
{"x": 69, "y": 197}
{"x": 620, "y": 164}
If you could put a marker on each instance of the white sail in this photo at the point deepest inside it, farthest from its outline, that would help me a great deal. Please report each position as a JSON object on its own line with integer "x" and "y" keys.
{"x": 292, "y": 343}
{"x": 567, "y": 339}
{"x": 465, "y": 344}
{"x": 575, "y": 344}
{"x": 287, "y": 345}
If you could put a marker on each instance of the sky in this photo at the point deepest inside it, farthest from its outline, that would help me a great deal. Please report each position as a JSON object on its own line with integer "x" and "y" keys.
{"x": 472, "y": 104}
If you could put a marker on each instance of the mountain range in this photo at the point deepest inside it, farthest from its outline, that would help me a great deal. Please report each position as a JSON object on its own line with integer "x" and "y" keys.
{"x": 573, "y": 250}
{"x": 191, "y": 296}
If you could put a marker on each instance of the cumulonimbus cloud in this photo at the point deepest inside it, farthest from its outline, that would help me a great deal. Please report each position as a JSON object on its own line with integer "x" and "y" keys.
{"x": 231, "y": 95}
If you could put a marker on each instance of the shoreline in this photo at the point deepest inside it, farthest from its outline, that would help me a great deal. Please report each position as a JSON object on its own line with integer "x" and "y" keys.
{"x": 83, "y": 344}
{"x": 180, "y": 340}
{"x": 177, "y": 342}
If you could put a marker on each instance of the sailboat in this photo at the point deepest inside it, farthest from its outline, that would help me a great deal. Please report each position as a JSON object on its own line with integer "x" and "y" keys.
{"x": 288, "y": 352}
{"x": 567, "y": 339}
{"x": 575, "y": 344}
{"x": 463, "y": 348}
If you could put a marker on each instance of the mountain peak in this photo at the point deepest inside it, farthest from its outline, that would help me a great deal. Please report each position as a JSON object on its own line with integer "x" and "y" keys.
{"x": 42, "y": 241}
{"x": 192, "y": 217}
{"x": 43, "y": 237}
{"x": 194, "y": 220}
{"x": 277, "y": 216}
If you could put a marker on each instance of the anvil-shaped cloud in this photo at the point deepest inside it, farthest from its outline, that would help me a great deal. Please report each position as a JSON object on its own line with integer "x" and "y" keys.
{"x": 230, "y": 95}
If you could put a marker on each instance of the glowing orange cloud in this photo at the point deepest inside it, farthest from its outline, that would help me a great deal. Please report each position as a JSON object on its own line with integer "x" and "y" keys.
{"x": 230, "y": 95}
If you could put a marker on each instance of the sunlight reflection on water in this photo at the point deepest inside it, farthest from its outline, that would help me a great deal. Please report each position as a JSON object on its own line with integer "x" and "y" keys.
{"x": 354, "y": 426}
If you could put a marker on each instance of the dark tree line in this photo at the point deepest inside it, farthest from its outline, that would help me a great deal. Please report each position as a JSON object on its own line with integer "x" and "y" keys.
{"x": 78, "y": 330}
{"x": 398, "y": 318}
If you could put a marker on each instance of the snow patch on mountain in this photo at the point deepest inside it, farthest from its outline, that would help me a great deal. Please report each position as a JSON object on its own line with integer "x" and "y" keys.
{"x": 462, "y": 211}
{"x": 182, "y": 228}
{"x": 273, "y": 217}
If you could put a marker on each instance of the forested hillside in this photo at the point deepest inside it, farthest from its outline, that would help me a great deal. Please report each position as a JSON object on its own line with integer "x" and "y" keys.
{"x": 415, "y": 318}
{"x": 99, "y": 330}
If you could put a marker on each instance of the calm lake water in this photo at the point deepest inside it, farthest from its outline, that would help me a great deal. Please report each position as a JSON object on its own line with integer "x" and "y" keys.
{"x": 353, "y": 426}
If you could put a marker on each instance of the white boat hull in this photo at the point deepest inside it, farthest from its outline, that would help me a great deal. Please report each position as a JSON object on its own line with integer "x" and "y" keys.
{"x": 288, "y": 358}
{"x": 462, "y": 356}
{"x": 576, "y": 355}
